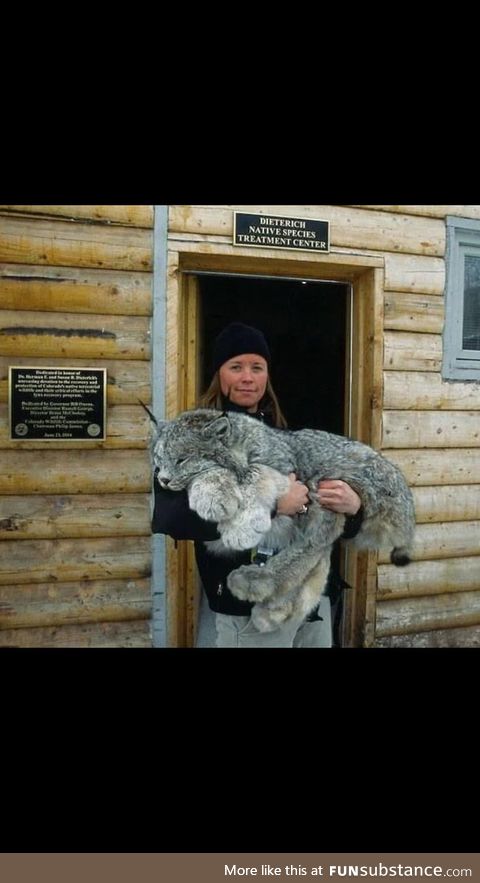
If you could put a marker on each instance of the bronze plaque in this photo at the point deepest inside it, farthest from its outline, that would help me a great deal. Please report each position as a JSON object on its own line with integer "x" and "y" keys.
{"x": 57, "y": 404}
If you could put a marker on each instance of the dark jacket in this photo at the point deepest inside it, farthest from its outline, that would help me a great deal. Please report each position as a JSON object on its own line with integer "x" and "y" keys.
{"x": 173, "y": 516}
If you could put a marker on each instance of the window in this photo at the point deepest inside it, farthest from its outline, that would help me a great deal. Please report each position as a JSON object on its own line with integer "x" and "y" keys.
{"x": 461, "y": 338}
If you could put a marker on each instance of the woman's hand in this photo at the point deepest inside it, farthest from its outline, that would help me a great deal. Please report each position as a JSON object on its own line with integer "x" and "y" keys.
{"x": 338, "y": 496}
{"x": 295, "y": 499}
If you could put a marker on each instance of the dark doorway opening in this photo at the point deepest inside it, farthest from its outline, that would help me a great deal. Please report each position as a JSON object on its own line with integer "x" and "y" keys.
{"x": 307, "y": 328}
{"x": 305, "y": 324}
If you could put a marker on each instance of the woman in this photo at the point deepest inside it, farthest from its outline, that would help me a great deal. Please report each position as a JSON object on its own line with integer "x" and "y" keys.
{"x": 241, "y": 383}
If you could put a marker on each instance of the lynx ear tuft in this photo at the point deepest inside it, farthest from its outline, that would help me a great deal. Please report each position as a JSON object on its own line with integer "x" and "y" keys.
{"x": 160, "y": 425}
{"x": 150, "y": 413}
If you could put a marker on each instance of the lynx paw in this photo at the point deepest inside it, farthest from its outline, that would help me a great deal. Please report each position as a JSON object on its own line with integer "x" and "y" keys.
{"x": 211, "y": 509}
{"x": 251, "y": 583}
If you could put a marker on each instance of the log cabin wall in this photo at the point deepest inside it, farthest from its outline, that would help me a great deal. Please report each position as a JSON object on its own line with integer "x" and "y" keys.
{"x": 76, "y": 290}
{"x": 429, "y": 426}
{"x": 430, "y": 430}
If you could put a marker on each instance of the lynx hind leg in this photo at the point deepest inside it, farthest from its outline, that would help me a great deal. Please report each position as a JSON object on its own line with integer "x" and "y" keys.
{"x": 312, "y": 588}
{"x": 271, "y": 615}
{"x": 251, "y": 583}
{"x": 268, "y": 619}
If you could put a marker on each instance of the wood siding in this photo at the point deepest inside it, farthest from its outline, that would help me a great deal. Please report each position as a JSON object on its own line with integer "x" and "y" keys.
{"x": 76, "y": 291}
{"x": 431, "y": 430}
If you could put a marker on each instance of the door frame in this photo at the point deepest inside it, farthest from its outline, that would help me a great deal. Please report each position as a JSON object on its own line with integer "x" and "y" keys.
{"x": 366, "y": 275}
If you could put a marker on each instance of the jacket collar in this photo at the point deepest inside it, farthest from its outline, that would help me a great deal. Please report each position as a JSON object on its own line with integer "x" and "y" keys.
{"x": 228, "y": 405}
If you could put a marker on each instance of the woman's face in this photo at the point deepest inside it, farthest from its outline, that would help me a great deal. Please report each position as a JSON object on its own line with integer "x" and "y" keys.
{"x": 244, "y": 380}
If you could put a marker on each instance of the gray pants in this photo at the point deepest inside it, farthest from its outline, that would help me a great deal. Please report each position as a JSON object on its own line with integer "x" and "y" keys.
{"x": 238, "y": 631}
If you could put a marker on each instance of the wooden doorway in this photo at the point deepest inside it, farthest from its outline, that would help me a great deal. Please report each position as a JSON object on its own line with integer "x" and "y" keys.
{"x": 209, "y": 292}
{"x": 307, "y": 326}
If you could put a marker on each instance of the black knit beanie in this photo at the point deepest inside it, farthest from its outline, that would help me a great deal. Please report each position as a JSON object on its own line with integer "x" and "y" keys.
{"x": 237, "y": 339}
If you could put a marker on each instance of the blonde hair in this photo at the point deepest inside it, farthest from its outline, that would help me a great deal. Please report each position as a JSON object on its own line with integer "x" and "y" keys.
{"x": 212, "y": 398}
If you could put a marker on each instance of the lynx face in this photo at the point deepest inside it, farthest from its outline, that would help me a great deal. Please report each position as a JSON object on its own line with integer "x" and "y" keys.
{"x": 178, "y": 461}
{"x": 189, "y": 446}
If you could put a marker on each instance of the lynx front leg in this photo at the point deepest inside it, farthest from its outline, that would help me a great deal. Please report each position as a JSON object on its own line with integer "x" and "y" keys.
{"x": 215, "y": 495}
{"x": 246, "y": 528}
{"x": 253, "y": 519}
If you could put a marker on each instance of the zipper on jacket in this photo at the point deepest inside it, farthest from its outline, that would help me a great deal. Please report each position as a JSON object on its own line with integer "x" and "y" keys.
{"x": 219, "y": 588}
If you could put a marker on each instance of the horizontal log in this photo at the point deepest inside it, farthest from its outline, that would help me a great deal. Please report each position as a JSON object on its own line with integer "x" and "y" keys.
{"x": 419, "y": 390}
{"x": 133, "y": 633}
{"x": 428, "y": 577}
{"x": 414, "y": 273}
{"x": 439, "y": 467}
{"x": 412, "y": 352}
{"x": 353, "y": 228}
{"x": 48, "y": 604}
{"x": 406, "y": 311}
{"x": 74, "y": 335}
{"x": 429, "y": 211}
{"x": 59, "y": 243}
{"x": 128, "y": 380}
{"x": 431, "y": 429}
{"x": 41, "y": 561}
{"x": 421, "y": 614}
{"x": 53, "y": 517}
{"x": 443, "y": 540}
{"x": 128, "y": 426}
{"x": 463, "y": 637}
{"x": 87, "y": 472}
{"x": 130, "y": 215}
{"x": 449, "y": 503}
{"x": 72, "y": 290}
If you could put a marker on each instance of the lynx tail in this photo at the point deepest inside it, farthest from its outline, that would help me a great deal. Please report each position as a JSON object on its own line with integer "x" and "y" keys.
{"x": 399, "y": 556}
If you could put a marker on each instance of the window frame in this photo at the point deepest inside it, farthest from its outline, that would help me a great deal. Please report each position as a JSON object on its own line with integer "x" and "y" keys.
{"x": 463, "y": 240}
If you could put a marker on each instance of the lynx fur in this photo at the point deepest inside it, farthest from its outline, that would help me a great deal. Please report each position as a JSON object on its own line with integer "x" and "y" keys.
{"x": 235, "y": 468}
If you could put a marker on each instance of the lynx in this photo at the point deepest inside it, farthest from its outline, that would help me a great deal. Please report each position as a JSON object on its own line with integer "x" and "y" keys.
{"x": 235, "y": 468}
